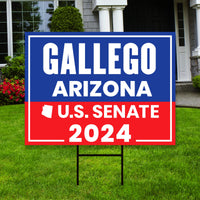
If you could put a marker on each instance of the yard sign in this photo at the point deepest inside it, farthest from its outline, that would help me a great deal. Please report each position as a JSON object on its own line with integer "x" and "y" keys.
{"x": 100, "y": 89}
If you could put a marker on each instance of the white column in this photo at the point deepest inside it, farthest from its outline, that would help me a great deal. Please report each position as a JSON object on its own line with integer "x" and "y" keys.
{"x": 79, "y": 5}
{"x": 118, "y": 22}
{"x": 104, "y": 19}
{"x": 196, "y": 5}
{"x": 198, "y": 29}
{"x": 9, "y": 28}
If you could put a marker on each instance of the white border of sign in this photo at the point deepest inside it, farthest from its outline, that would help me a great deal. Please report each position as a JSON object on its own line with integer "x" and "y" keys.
{"x": 94, "y": 36}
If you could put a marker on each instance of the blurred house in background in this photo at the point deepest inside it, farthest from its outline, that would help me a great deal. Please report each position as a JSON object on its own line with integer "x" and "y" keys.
{"x": 180, "y": 16}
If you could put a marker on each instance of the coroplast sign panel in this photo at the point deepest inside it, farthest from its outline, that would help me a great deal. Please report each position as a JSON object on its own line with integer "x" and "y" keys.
{"x": 100, "y": 89}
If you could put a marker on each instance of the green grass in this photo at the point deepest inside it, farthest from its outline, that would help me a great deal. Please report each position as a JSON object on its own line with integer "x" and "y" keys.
{"x": 49, "y": 172}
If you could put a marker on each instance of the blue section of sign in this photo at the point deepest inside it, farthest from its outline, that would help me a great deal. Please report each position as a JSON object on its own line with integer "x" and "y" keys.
{"x": 40, "y": 86}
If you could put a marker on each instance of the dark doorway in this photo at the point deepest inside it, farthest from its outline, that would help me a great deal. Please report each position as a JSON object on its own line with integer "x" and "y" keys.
{"x": 149, "y": 16}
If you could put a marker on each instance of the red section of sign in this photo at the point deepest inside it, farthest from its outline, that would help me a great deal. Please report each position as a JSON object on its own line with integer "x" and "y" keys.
{"x": 102, "y": 123}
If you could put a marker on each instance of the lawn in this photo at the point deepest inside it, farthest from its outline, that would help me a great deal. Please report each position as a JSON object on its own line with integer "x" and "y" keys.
{"x": 49, "y": 172}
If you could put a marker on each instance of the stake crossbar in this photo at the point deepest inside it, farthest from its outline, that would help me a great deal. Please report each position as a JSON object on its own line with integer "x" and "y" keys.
{"x": 100, "y": 155}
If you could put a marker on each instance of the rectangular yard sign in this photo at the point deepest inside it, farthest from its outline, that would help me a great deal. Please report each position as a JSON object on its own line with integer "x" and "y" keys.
{"x": 100, "y": 89}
